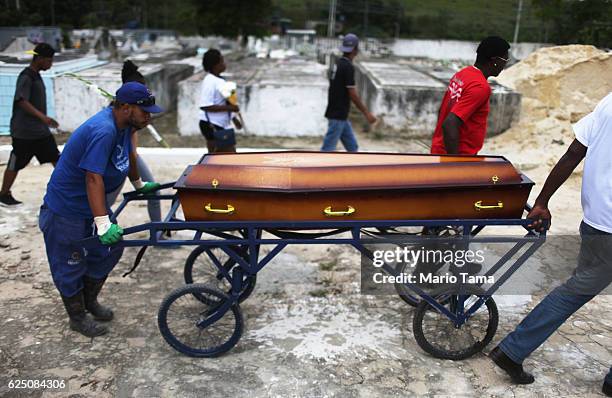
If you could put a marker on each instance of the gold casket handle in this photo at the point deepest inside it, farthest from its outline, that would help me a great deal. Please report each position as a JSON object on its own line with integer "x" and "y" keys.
{"x": 479, "y": 206}
{"x": 230, "y": 209}
{"x": 328, "y": 212}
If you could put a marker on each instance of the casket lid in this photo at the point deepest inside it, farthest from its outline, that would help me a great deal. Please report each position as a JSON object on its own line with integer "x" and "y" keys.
{"x": 299, "y": 171}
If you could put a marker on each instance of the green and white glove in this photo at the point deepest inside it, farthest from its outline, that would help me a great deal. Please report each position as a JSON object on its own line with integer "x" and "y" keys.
{"x": 108, "y": 233}
{"x": 145, "y": 187}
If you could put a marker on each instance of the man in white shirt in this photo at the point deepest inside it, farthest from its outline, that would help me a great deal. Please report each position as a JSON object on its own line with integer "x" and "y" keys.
{"x": 215, "y": 110}
{"x": 594, "y": 270}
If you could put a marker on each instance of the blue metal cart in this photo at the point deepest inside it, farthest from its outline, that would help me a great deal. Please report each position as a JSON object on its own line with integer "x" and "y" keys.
{"x": 203, "y": 318}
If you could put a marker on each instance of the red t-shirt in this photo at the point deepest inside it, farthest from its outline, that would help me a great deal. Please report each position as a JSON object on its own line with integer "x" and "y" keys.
{"x": 468, "y": 98}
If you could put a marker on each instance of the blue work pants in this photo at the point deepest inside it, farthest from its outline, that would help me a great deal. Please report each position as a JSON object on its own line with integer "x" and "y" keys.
{"x": 592, "y": 275}
{"x": 67, "y": 260}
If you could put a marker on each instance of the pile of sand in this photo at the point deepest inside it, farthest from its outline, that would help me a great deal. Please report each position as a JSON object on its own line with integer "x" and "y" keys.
{"x": 559, "y": 85}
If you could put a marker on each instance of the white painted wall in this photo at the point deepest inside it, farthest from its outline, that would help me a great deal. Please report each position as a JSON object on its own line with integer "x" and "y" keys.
{"x": 187, "y": 109}
{"x": 286, "y": 110}
{"x": 76, "y": 102}
{"x": 405, "y": 108}
{"x": 405, "y": 98}
{"x": 284, "y": 100}
{"x": 452, "y": 49}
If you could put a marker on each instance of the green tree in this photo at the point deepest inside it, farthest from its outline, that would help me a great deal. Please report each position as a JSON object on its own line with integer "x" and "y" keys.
{"x": 179, "y": 15}
{"x": 574, "y": 21}
{"x": 233, "y": 17}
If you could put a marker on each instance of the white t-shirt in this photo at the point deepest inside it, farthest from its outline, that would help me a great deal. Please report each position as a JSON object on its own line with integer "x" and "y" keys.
{"x": 595, "y": 132}
{"x": 210, "y": 95}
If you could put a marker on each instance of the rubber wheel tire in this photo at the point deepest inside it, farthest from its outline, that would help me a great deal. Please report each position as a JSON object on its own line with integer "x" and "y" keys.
{"x": 249, "y": 282}
{"x": 216, "y": 297}
{"x": 406, "y": 294}
{"x": 423, "y": 342}
{"x": 409, "y": 298}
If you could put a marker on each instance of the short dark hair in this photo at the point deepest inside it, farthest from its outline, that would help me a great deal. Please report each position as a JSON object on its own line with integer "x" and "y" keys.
{"x": 492, "y": 46}
{"x": 129, "y": 73}
{"x": 210, "y": 59}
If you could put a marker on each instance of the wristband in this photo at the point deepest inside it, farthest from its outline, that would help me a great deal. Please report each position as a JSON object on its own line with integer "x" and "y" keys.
{"x": 103, "y": 224}
{"x": 137, "y": 184}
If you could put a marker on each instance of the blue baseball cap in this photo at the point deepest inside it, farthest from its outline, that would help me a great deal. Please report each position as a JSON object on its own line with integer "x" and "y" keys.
{"x": 349, "y": 42}
{"x": 135, "y": 93}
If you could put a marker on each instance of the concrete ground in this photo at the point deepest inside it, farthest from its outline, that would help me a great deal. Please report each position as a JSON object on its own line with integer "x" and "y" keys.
{"x": 309, "y": 332}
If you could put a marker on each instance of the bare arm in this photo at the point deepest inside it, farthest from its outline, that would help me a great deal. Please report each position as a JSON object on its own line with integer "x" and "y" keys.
{"x": 450, "y": 129}
{"x": 221, "y": 108}
{"x": 133, "y": 173}
{"x": 29, "y": 108}
{"x": 354, "y": 96}
{"x": 559, "y": 174}
{"x": 95, "y": 194}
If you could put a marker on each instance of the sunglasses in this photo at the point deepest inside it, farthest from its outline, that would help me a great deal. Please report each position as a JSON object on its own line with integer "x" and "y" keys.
{"x": 149, "y": 101}
{"x": 503, "y": 59}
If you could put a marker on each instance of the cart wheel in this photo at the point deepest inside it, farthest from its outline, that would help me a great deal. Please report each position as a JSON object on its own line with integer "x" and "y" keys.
{"x": 180, "y": 312}
{"x": 437, "y": 335}
{"x": 405, "y": 294}
{"x": 408, "y": 295}
{"x": 199, "y": 268}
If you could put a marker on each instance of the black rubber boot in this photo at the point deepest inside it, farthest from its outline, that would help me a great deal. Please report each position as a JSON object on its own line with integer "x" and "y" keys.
{"x": 607, "y": 389}
{"x": 79, "y": 320}
{"x": 91, "y": 289}
{"x": 513, "y": 369}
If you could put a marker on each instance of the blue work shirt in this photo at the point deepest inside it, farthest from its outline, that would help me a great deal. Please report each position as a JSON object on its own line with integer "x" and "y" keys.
{"x": 97, "y": 146}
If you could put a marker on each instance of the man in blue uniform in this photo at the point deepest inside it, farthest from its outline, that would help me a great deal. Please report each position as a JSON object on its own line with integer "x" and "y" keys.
{"x": 94, "y": 162}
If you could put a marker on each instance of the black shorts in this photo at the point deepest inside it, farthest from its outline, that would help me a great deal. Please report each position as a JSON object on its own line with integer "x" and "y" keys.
{"x": 45, "y": 150}
{"x": 207, "y": 129}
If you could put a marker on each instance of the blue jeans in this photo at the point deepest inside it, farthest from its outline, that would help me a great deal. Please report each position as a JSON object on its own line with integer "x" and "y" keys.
{"x": 153, "y": 206}
{"x": 69, "y": 262}
{"x": 339, "y": 130}
{"x": 591, "y": 276}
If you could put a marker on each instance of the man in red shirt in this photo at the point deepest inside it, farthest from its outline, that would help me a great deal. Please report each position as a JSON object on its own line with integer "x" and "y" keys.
{"x": 462, "y": 118}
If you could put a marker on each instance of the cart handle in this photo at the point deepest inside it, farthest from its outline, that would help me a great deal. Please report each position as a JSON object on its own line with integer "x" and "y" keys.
{"x": 133, "y": 194}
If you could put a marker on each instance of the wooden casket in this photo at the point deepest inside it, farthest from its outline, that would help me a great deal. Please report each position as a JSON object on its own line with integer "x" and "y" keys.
{"x": 314, "y": 186}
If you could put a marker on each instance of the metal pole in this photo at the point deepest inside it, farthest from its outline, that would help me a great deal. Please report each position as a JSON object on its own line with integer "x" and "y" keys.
{"x": 518, "y": 22}
{"x": 365, "y": 22}
{"x": 166, "y": 14}
{"x": 146, "y": 16}
{"x": 331, "y": 26}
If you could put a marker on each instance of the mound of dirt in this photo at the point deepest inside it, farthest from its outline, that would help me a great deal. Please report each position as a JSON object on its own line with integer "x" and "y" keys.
{"x": 559, "y": 86}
